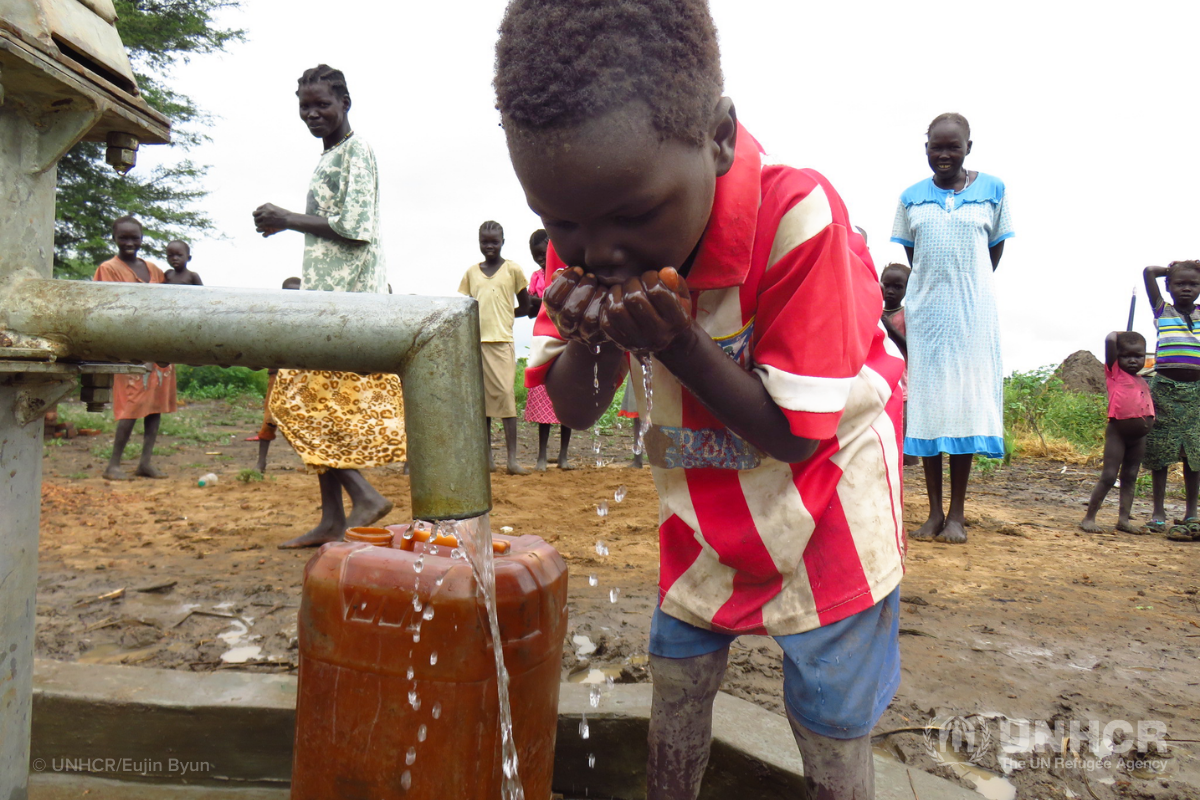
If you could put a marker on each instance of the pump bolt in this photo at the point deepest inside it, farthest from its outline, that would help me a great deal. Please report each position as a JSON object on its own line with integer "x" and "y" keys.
{"x": 122, "y": 151}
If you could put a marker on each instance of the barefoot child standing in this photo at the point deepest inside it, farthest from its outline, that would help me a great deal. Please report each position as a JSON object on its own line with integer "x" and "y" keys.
{"x": 147, "y": 396}
{"x": 775, "y": 430}
{"x": 1130, "y": 417}
{"x": 494, "y": 283}
{"x": 179, "y": 254}
{"x": 537, "y": 403}
{"x": 1176, "y": 391}
{"x": 893, "y": 284}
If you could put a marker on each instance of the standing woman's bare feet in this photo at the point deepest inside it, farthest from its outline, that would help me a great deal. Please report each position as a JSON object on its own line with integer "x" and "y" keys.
{"x": 115, "y": 474}
{"x": 1089, "y": 525}
{"x": 148, "y": 471}
{"x": 324, "y": 532}
{"x": 930, "y": 529}
{"x": 953, "y": 532}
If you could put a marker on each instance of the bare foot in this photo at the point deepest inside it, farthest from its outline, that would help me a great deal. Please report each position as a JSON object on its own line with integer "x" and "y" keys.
{"x": 1125, "y": 526}
{"x": 541, "y": 464}
{"x": 115, "y": 474}
{"x": 147, "y": 471}
{"x": 1090, "y": 526}
{"x": 316, "y": 537}
{"x": 516, "y": 469}
{"x": 953, "y": 532}
{"x": 261, "y": 467}
{"x": 929, "y": 530}
{"x": 564, "y": 463}
{"x": 636, "y": 463}
{"x": 368, "y": 511}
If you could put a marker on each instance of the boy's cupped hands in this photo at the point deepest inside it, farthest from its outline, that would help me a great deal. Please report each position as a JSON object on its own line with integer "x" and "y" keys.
{"x": 645, "y": 314}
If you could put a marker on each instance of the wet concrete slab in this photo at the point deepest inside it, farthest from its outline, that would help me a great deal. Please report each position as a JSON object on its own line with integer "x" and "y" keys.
{"x": 232, "y": 732}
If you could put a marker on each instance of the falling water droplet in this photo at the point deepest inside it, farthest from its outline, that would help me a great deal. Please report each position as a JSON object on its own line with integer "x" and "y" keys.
{"x": 609, "y": 681}
{"x": 419, "y": 564}
{"x": 437, "y": 710}
{"x": 456, "y": 554}
{"x": 619, "y": 495}
{"x": 410, "y": 756}
{"x": 601, "y": 549}
{"x": 413, "y": 700}
{"x": 416, "y": 636}
{"x": 422, "y": 732}
{"x": 433, "y": 549}
{"x": 406, "y": 781}
{"x": 417, "y": 604}
{"x": 427, "y": 613}
{"x": 593, "y": 580}
{"x": 613, "y": 594}
{"x": 596, "y": 350}
{"x": 596, "y": 376}
{"x": 408, "y": 534}
{"x": 594, "y": 695}
{"x": 433, "y": 658}
{"x": 596, "y": 447}
{"x": 602, "y": 509}
{"x": 411, "y": 672}
{"x": 441, "y": 578}
{"x": 591, "y": 760}
{"x": 584, "y": 733}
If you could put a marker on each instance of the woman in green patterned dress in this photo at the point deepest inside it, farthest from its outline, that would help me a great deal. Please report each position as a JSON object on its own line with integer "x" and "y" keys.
{"x": 338, "y": 422}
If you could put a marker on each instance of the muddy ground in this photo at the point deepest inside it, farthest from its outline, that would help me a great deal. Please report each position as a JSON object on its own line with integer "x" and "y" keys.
{"x": 1030, "y": 621}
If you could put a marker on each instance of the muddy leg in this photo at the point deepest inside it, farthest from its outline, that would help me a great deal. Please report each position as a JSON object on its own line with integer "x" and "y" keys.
{"x": 510, "y": 444}
{"x": 1132, "y": 463}
{"x": 543, "y": 444}
{"x": 933, "y": 487}
{"x": 1158, "y": 488}
{"x": 369, "y": 505}
{"x": 954, "y": 531}
{"x": 1191, "y": 485}
{"x": 564, "y": 441}
{"x": 333, "y": 515}
{"x": 835, "y": 769}
{"x": 263, "y": 446}
{"x": 681, "y": 723}
{"x": 145, "y": 469}
{"x": 1114, "y": 460}
{"x": 124, "y": 430}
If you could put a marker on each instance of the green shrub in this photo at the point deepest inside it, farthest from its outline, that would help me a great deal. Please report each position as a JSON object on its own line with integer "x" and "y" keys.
{"x": 1036, "y": 403}
{"x": 218, "y": 383}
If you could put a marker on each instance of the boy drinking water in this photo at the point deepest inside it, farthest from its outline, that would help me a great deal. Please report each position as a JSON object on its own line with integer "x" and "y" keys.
{"x": 774, "y": 435}
{"x": 1130, "y": 417}
{"x": 494, "y": 283}
{"x": 179, "y": 254}
{"x": 1175, "y": 388}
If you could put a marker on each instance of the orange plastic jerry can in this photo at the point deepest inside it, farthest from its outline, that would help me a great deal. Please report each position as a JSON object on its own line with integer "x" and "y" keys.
{"x": 397, "y": 691}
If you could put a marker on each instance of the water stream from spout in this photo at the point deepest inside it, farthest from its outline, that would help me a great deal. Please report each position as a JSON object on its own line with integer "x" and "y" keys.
{"x": 475, "y": 537}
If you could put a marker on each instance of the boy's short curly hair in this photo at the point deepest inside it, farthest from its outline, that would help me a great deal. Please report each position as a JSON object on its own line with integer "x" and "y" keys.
{"x": 562, "y": 62}
{"x": 1131, "y": 339}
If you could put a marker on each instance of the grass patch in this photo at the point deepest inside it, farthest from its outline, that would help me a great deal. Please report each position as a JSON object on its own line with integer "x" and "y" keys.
{"x": 1044, "y": 420}
{"x": 249, "y": 475}
{"x": 219, "y": 383}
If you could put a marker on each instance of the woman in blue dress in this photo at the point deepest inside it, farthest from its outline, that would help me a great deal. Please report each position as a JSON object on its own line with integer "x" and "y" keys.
{"x": 953, "y": 227}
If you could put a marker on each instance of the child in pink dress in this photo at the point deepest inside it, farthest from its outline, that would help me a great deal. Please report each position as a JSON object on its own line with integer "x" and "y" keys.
{"x": 537, "y": 403}
{"x": 1130, "y": 417}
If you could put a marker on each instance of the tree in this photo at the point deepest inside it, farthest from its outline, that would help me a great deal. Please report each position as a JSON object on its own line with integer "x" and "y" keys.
{"x": 159, "y": 35}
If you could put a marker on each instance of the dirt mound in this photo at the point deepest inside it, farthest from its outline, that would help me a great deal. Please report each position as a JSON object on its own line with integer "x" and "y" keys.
{"x": 1082, "y": 372}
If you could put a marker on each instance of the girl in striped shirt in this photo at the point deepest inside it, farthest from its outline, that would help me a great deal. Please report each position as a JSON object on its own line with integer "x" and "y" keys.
{"x": 1176, "y": 392}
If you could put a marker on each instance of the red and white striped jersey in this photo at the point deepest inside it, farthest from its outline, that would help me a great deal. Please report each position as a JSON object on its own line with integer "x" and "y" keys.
{"x": 786, "y": 286}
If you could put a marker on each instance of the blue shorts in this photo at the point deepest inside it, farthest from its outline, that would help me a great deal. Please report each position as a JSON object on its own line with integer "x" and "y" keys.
{"x": 837, "y": 679}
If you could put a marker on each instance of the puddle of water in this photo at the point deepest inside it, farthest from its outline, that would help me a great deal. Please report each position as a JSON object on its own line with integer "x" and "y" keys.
{"x": 583, "y": 645}
{"x": 600, "y": 675}
{"x": 987, "y": 783}
{"x": 240, "y": 655}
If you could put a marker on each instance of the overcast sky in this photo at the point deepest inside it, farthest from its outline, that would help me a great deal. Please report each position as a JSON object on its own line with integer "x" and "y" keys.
{"x": 1086, "y": 114}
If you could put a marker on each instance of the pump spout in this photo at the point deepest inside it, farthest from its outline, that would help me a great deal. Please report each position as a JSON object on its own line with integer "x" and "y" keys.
{"x": 431, "y": 343}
